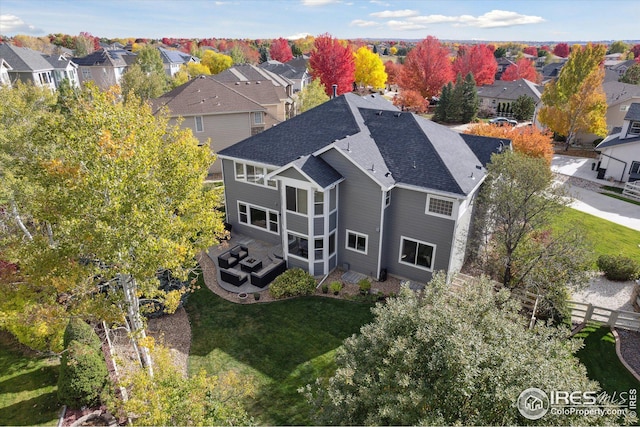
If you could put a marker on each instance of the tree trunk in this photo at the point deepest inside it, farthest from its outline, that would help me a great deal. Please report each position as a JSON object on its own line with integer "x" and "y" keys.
{"x": 133, "y": 312}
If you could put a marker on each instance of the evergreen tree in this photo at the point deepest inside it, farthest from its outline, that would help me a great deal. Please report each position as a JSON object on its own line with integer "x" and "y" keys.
{"x": 443, "y": 104}
{"x": 470, "y": 102}
{"x": 523, "y": 108}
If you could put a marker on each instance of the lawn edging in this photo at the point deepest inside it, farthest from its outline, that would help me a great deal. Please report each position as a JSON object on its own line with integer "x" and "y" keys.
{"x": 619, "y": 353}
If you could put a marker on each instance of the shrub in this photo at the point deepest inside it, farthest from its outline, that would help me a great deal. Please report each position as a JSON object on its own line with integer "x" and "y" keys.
{"x": 325, "y": 288}
{"x": 364, "y": 285}
{"x": 335, "y": 287}
{"x": 618, "y": 267}
{"x": 79, "y": 330}
{"x": 83, "y": 375}
{"x": 292, "y": 283}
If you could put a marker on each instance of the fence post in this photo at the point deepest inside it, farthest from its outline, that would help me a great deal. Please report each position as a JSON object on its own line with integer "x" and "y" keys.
{"x": 613, "y": 318}
{"x": 588, "y": 313}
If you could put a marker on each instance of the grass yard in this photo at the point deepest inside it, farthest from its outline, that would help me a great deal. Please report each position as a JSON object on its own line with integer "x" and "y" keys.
{"x": 280, "y": 346}
{"x": 602, "y": 363}
{"x": 606, "y": 236}
{"x": 28, "y": 386}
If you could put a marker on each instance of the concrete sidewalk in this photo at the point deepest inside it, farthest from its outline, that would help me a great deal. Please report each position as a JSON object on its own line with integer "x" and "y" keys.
{"x": 592, "y": 202}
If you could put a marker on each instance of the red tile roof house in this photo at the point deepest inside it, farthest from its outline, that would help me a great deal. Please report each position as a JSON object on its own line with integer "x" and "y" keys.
{"x": 357, "y": 184}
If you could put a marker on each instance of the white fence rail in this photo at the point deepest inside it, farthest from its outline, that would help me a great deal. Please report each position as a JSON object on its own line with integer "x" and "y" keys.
{"x": 632, "y": 189}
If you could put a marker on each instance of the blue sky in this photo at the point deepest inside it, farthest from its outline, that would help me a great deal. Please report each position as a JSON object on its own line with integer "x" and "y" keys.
{"x": 517, "y": 20}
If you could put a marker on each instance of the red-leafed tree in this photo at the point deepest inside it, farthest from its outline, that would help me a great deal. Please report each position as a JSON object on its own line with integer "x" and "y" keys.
{"x": 530, "y": 50}
{"x": 477, "y": 60}
{"x": 426, "y": 68}
{"x": 562, "y": 50}
{"x": 280, "y": 50}
{"x": 332, "y": 63}
{"x": 636, "y": 51}
{"x": 411, "y": 100}
{"x": 522, "y": 69}
{"x": 393, "y": 70}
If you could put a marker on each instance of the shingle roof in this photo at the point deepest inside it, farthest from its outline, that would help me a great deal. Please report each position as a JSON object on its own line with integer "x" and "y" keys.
{"x": 22, "y": 59}
{"x": 318, "y": 170}
{"x": 173, "y": 56}
{"x": 613, "y": 140}
{"x": 249, "y": 72}
{"x": 510, "y": 90}
{"x": 259, "y": 91}
{"x": 620, "y": 92}
{"x": 57, "y": 61}
{"x": 204, "y": 96}
{"x": 484, "y": 147}
{"x": 284, "y": 70}
{"x": 634, "y": 112}
{"x": 393, "y": 147}
{"x": 112, "y": 57}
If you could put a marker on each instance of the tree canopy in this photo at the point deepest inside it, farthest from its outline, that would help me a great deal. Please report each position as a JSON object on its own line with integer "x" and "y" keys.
{"x": 522, "y": 69}
{"x": 477, "y": 60}
{"x": 576, "y": 101}
{"x": 331, "y": 62}
{"x": 441, "y": 357}
{"x": 370, "y": 71}
{"x": 312, "y": 95}
{"x": 632, "y": 75}
{"x": 426, "y": 68}
{"x": 280, "y": 50}
{"x": 101, "y": 189}
{"x": 216, "y": 62}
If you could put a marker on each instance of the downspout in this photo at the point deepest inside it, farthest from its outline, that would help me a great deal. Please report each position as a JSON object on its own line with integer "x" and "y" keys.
{"x": 624, "y": 169}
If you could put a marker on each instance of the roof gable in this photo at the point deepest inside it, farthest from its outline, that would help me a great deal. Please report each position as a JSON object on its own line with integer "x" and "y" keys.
{"x": 618, "y": 92}
{"x": 22, "y": 59}
{"x": 510, "y": 90}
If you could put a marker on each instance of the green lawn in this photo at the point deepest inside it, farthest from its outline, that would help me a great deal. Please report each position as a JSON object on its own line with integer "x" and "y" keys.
{"x": 605, "y": 236}
{"x": 281, "y": 346}
{"x": 602, "y": 363}
{"x": 28, "y": 386}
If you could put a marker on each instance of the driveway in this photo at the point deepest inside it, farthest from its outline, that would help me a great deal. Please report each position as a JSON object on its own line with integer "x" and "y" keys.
{"x": 592, "y": 202}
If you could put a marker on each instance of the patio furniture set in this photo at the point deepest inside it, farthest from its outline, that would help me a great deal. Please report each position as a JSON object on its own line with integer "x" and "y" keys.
{"x": 236, "y": 267}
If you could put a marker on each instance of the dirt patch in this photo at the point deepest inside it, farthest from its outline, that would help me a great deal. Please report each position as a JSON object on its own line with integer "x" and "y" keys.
{"x": 578, "y": 151}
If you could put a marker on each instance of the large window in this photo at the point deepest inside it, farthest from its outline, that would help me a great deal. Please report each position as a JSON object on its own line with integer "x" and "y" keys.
{"x": 199, "y": 124}
{"x": 635, "y": 168}
{"x": 332, "y": 243}
{"x": 258, "y": 217}
{"x": 318, "y": 203}
{"x": 439, "y": 206}
{"x": 298, "y": 246}
{"x": 296, "y": 200}
{"x": 357, "y": 241}
{"x": 416, "y": 253}
{"x": 634, "y": 129}
{"x": 254, "y": 174}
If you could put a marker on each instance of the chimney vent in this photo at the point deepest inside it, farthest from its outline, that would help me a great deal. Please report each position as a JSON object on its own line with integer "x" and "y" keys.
{"x": 335, "y": 90}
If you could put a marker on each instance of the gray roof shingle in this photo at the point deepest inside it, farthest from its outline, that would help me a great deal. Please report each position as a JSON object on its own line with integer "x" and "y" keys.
{"x": 22, "y": 59}
{"x": 510, "y": 90}
{"x": 634, "y": 112}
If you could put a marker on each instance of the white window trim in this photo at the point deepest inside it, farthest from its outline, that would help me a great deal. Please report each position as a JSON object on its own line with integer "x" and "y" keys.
{"x": 300, "y": 236}
{"x": 453, "y": 208}
{"x": 195, "y": 119}
{"x": 410, "y": 264}
{"x": 309, "y": 194}
{"x": 268, "y": 211}
{"x": 256, "y": 115}
{"x": 335, "y": 243}
{"x": 366, "y": 242}
{"x": 634, "y": 163}
{"x": 246, "y": 181}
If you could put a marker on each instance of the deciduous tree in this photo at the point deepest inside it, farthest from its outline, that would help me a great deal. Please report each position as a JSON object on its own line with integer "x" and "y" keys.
{"x": 448, "y": 358}
{"x": 527, "y": 140}
{"x": 109, "y": 191}
{"x": 531, "y": 50}
{"x": 632, "y": 75}
{"x": 312, "y": 95}
{"x": 477, "y": 60}
{"x": 618, "y": 47}
{"x": 576, "y": 101}
{"x": 522, "y": 69}
{"x": 393, "y": 70}
{"x": 370, "y": 71}
{"x": 280, "y": 50}
{"x": 331, "y": 62}
{"x": 561, "y": 49}
{"x": 411, "y": 100}
{"x": 426, "y": 68}
{"x": 216, "y": 62}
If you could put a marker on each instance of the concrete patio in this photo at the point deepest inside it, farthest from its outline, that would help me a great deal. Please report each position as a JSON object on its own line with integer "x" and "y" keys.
{"x": 257, "y": 249}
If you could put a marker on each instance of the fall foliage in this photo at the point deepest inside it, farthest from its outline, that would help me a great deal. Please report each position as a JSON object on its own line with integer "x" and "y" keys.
{"x": 522, "y": 69}
{"x": 477, "y": 60}
{"x": 527, "y": 140}
{"x": 411, "y": 100}
{"x": 332, "y": 63}
{"x": 426, "y": 68}
{"x": 216, "y": 62}
{"x": 370, "y": 72}
{"x": 393, "y": 71}
{"x": 561, "y": 50}
{"x": 280, "y": 50}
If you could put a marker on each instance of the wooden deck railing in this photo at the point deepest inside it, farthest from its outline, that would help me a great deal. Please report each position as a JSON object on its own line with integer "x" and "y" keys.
{"x": 632, "y": 190}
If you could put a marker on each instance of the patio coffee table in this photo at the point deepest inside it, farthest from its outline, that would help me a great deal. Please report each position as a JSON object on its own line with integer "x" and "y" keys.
{"x": 250, "y": 264}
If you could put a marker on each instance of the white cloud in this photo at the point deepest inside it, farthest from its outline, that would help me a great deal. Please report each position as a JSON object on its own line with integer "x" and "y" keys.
{"x": 11, "y": 24}
{"x": 493, "y": 19}
{"x": 405, "y": 25}
{"x": 499, "y": 18}
{"x": 318, "y": 2}
{"x": 381, "y": 3}
{"x": 362, "y": 23}
{"x": 297, "y": 36}
{"x": 395, "y": 13}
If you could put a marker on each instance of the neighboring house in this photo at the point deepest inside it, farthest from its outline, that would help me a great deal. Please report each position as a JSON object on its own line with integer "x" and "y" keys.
{"x": 551, "y": 71}
{"x": 503, "y": 64}
{"x": 621, "y": 67}
{"x": 4, "y": 73}
{"x": 215, "y": 113}
{"x": 63, "y": 68}
{"x": 357, "y": 184}
{"x": 104, "y": 67}
{"x": 172, "y": 60}
{"x": 27, "y": 65}
{"x": 619, "y": 158}
{"x": 298, "y": 75}
{"x": 264, "y": 87}
{"x": 620, "y": 96}
{"x": 498, "y": 97}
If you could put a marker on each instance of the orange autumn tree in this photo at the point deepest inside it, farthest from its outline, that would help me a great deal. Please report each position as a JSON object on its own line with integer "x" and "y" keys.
{"x": 527, "y": 140}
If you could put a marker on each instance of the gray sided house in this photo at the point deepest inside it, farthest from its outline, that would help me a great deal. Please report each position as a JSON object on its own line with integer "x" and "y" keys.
{"x": 27, "y": 66}
{"x": 357, "y": 184}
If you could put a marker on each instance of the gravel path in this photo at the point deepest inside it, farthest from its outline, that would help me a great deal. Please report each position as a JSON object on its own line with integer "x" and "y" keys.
{"x": 606, "y": 293}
